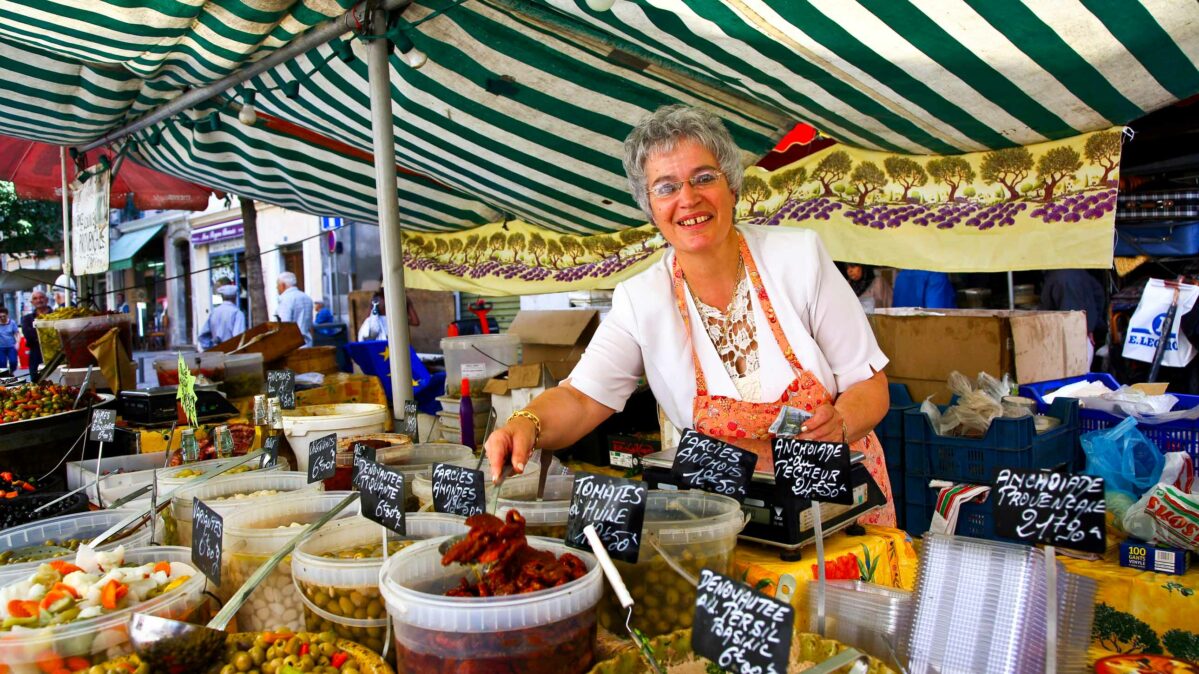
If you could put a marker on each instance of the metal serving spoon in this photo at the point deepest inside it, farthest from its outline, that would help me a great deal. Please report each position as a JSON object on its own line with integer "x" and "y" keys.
{"x": 176, "y": 647}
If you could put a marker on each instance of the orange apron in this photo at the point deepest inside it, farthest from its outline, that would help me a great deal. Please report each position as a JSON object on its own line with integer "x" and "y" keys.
{"x": 746, "y": 424}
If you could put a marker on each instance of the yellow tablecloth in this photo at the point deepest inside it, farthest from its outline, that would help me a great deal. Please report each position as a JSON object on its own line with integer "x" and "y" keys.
{"x": 338, "y": 388}
{"x": 1141, "y": 611}
{"x": 883, "y": 555}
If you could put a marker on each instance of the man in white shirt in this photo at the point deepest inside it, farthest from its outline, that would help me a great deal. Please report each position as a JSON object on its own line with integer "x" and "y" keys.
{"x": 226, "y": 320}
{"x": 294, "y": 306}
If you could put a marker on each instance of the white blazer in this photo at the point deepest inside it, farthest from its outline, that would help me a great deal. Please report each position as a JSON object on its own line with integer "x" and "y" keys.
{"x": 817, "y": 310}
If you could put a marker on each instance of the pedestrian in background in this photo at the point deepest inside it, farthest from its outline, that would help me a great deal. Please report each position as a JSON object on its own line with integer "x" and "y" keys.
{"x": 294, "y": 306}
{"x": 9, "y": 332}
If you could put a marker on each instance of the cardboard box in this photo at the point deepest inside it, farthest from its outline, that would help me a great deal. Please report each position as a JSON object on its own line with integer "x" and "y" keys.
{"x": 521, "y": 383}
{"x": 1149, "y": 557}
{"x": 273, "y": 340}
{"x": 925, "y": 346}
{"x": 554, "y": 336}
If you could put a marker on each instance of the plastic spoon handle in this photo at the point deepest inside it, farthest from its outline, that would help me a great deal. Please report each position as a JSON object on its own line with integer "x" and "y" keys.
{"x": 221, "y": 620}
{"x": 614, "y": 579}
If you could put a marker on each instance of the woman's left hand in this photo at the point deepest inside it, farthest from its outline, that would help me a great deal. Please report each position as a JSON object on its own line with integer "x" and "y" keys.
{"x": 826, "y": 425}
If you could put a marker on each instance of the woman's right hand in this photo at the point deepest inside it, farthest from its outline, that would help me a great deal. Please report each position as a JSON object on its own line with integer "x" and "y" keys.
{"x": 510, "y": 443}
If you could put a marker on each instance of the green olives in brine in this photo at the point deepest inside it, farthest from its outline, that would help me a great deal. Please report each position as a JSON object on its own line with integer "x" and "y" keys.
{"x": 664, "y": 600}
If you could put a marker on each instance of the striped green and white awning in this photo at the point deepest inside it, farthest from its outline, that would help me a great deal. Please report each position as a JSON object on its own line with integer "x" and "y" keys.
{"x": 523, "y": 105}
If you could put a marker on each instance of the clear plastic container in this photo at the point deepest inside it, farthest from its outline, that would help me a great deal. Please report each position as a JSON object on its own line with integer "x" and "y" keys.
{"x": 79, "y": 527}
{"x": 872, "y": 618}
{"x": 211, "y": 364}
{"x": 344, "y": 471}
{"x": 478, "y": 358}
{"x": 75, "y": 334}
{"x": 336, "y": 572}
{"x": 105, "y": 637}
{"x": 252, "y": 536}
{"x": 243, "y": 375}
{"x": 546, "y": 631}
{"x": 450, "y": 422}
{"x": 132, "y": 473}
{"x": 311, "y": 422}
{"x": 698, "y": 530}
{"x": 412, "y": 460}
{"x": 513, "y": 487}
{"x": 548, "y": 516}
{"x": 177, "y": 476}
{"x": 222, "y": 495}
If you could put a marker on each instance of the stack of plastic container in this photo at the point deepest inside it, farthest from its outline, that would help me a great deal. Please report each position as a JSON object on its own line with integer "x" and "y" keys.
{"x": 872, "y": 618}
{"x": 980, "y": 606}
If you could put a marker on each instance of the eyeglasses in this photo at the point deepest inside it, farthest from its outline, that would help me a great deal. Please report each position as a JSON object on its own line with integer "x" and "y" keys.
{"x": 698, "y": 181}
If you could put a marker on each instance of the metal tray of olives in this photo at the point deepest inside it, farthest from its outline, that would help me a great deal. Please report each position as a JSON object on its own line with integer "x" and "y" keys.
{"x": 18, "y": 438}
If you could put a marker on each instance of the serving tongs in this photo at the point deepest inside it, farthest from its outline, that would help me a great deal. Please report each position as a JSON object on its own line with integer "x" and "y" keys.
{"x": 622, "y": 594}
{"x": 167, "y": 645}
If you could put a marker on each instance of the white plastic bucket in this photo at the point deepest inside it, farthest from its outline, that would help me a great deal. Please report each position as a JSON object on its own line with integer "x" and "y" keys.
{"x": 311, "y": 422}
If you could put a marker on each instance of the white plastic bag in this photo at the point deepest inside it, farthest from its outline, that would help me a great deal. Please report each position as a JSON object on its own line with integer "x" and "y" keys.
{"x": 1144, "y": 330}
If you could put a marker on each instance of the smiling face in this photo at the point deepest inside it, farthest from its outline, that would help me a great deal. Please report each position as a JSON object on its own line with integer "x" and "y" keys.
{"x": 694, "y": 220}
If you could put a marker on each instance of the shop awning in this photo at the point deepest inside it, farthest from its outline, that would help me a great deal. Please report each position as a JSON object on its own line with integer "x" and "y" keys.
{"x": 14, "y": 280}
{"x": 121, "y": 251}
{"x": 522, "y": 107}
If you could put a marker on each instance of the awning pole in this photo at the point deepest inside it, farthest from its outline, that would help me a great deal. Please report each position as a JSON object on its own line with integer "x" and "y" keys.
{"x": 394, "y": 295}
{"x": 1011, "y": 292}
{"x": 66, "y": 217}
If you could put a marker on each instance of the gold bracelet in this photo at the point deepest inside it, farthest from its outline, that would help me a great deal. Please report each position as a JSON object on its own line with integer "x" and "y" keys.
{"x": 531, "y": 416}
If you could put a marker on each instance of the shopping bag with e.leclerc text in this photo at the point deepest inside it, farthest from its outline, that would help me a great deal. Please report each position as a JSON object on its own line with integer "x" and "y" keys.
{"x": 1144, "y": 330}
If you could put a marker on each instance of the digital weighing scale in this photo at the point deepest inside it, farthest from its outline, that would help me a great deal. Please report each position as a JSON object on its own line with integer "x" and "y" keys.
{"x": 785, "y": 524}
{"x": 156, "y": 406}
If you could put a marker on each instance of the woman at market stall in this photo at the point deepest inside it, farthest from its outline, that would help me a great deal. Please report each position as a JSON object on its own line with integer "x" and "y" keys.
{"x": 731, "y": 324}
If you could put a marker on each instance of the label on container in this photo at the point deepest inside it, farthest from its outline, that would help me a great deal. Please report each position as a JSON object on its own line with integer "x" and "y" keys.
{"x": 615, "y": 506}
{"x": 474, "y": 370}
{"x": 270, "y": 452}
{"x": 322, "y": 458}
{"x": 281, "y": 384}
{"x": 739, "y": 628}
{"x": 458, "y": 490}
{"x": 208, "y": 531}
{"x": 104, "y": 423}
{"x": 360, "y": 451}
{"x": 815, "y": 471}
{"x": 382, "y": 494}
{"x": 706, "y": 463}
{"x": 1053, "y": 508}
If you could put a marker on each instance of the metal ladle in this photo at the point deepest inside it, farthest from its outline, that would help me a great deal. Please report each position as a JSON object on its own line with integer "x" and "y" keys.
{"x": 176, "y": 647}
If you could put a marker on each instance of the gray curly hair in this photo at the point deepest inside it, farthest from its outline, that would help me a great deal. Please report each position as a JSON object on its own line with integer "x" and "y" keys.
{"x": 663, "y": 130}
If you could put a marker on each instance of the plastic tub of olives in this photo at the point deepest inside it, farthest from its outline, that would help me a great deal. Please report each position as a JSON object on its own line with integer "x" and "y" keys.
{"x": 21, "y": 548}
{"x": 336, "y": 573}
{"x": 252, "y": 536}
{"x": 228, "y": 494}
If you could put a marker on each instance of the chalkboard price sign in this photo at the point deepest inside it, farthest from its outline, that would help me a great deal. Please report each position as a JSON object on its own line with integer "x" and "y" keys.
{"x": 615, "y": 506}
{"x": 458, "y": 490}
{"x": 706, "y": 463}
{"x": 816, "y": 471}
{"x": 322, "y": 458}
{"x": 103, "y": 424}
{"x": 382, "y": 494}
{"x": 411, "y": 427}
{"x": 739, "y": 628}
{"x": 208, "y": 531}
{"x": 270, "y": 452}
{"x": 362, "y": 451}
{"x": 281, "y": 384}
{"x": 1052, "y": 508}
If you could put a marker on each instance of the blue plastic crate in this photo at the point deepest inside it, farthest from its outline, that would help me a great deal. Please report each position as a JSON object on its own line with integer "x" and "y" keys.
{"x": 974, "y": 519}
{"x": 1172, "y": 240}
{"x": 1009, "y": 443}
{"x": 1173, "y": 436}
{"x": 890, "y": 434}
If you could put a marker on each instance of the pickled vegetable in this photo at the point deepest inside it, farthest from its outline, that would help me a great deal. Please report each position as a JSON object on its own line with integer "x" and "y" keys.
{"x": 275, "y": 652}
{"x": 665, "y": 600}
